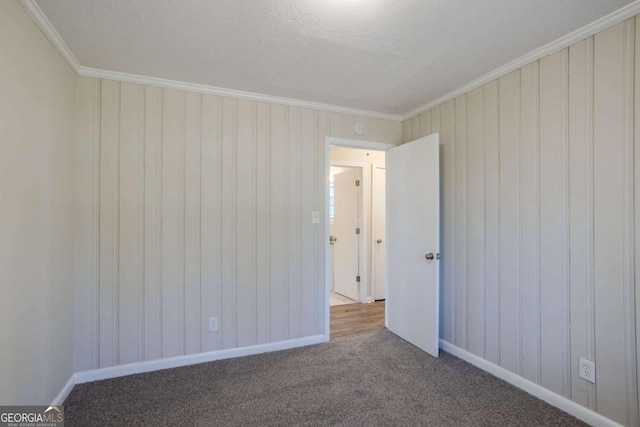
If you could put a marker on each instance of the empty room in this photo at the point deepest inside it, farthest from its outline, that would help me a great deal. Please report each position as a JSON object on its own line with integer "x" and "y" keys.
{"x": 319, "y": 212}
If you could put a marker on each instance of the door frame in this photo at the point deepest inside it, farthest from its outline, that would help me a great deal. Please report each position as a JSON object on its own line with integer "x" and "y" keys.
{"x": 331, "y": 141}
{"x": 373, "y": 228}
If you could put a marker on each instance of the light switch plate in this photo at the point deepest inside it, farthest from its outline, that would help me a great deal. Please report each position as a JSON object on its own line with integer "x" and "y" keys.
{"x": 315, "y": 217}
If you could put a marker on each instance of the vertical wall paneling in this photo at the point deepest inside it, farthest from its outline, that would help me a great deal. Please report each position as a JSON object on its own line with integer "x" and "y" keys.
{"x": 309, "y": 196}
{"x": 424, "y": 124}
{"x": 491, "y": 224}
{"x": 323, "y": 192}
{"x": 447, "y": 163}
{"x": 509, "y": 231}
{"x": 108, "y": 227}
{"x": 173, "y": 243}
{"x": 415, "y": 128}
{"x": 529, "y": 230}
{"x": 193, "y": 206}
{"x": 131, "y": 224}
{"x": 406, "y": 131}
{"x": 86, "y": 240}
{"x": 246, "y": 225}
{"x": 263, "y": 211}
{"x": 228, "y": 320}
{"x": 633, "y": 393}
{"x": 278, "y": 226}
{"x": 554, "y": 303}
{"x": 637, "y": 197}
{"x": 192, "y": 233}
{"x": 581, "y": 215}
{"x": 475, "y": 221}
{"x": 556, "y": 197}
{"x": 211, "y": 220}
{"x": 152, "y": 224}
{"x": 460, "y": 222}
{"x": 294, "y": 191}
{"x": 613, "y": 139}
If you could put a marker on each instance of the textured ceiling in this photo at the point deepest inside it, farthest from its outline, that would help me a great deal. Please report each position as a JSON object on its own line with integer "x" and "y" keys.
{"x": 381, "y": 55}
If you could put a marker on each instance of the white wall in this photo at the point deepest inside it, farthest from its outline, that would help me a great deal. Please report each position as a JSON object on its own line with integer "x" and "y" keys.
{"x": 368, "y": 158}
{"x": 194, "y": 206}
{"x": 36, "y": 212}
{"x": 538, "y": 219}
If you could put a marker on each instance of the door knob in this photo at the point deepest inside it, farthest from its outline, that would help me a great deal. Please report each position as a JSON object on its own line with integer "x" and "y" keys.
{"x": 379, "y": 241}
{"x": 429, "y": 256}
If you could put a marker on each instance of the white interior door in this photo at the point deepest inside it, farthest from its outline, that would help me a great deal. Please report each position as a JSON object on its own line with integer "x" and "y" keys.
{"x": 345, "y": 223}
{"x": 379, "y": 239}
{"x": 413, "y": 242}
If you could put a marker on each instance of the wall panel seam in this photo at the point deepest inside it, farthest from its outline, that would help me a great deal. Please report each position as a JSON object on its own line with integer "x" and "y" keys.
{"x": 590, "y": 213}
{"x": 116, "y": 290}
{"x": 142, "y": 212}
{"x": 97, "y": 218}
{"x": 628, "y": 262}
{"x": 566, "y": 230}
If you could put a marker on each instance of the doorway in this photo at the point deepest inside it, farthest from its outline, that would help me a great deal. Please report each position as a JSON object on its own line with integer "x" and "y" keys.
{"x": 356, "y": 212}
{"x": 411, "y": 244}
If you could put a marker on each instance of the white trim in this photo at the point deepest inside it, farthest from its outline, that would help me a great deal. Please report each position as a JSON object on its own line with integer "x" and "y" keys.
{"x": 584, "y": 414}
{"x": 34, "y": 11}
{"x": 193, "y": 359}
{"x": 60, "y": 398}
{"x": 231, "y": 93}
{"x": 362, "y": 250}
{"x": 573, "y": 37}
{"x": 41, "y": 20}
{"x": 356, "y": 143}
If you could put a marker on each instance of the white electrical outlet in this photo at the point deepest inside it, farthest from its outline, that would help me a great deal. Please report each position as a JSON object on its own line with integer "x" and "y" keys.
{"x": 213, "y": 324}
{"x": 587, "y": 370}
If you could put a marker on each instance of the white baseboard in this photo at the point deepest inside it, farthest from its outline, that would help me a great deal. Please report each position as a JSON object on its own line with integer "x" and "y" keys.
{"x": 584, "y": 414}
{"x": 193, "y": 359}
{"x": 59, "y": 399}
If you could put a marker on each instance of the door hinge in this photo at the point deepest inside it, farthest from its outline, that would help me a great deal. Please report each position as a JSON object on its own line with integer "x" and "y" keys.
{"x": 358, "y": 279}
{"x": 358, "y": 230}
{"x": 357, "y": 183}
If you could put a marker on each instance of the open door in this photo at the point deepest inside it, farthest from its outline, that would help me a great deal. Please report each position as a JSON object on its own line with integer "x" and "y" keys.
{"x": 345, "y": 229}
{"x": 413, "y": 242}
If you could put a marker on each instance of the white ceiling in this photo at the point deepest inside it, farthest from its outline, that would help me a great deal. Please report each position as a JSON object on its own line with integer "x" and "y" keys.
{"x": 387, "y": 56}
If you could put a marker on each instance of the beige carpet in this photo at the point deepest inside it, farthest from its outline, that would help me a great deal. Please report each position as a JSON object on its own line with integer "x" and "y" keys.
{"x": 373, "y": 379}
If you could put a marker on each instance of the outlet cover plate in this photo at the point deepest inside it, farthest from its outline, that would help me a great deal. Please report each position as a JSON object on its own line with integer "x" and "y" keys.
{"x": 213, "y": 324}
{"x": 587, "y": 370}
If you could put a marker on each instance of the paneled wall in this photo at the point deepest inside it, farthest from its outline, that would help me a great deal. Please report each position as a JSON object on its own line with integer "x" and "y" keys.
{"x": 193, "y": 206}
{"x": 37, "y": 115}
{"x": 538, "y": 219}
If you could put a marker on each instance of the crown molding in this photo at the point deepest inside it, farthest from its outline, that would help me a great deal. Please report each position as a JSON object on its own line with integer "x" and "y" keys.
{"x": 588, "y": 30}
{"x": 41, "y": 20}
{"x": 231, "y": 93}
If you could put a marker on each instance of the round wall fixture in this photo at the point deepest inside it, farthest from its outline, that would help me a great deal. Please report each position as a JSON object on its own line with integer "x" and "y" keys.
{"x": 358, "y": 128}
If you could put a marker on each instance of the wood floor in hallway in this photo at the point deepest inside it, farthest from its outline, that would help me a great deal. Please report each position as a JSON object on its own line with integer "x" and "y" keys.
{"x": 352, "y": 319}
